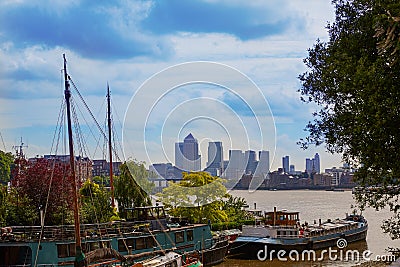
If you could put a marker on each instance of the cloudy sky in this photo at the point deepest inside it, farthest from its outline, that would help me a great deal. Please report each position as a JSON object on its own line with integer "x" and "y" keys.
{"x": 242, "y": 90}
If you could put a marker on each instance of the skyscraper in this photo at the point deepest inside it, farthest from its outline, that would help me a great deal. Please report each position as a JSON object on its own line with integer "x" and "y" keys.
{"x": 309, "y": 165}
{"x": 215, "y": 163}
{"x": 187, "y": 155}
{"x": 250, "y": 157}
{"x": 313, "y": 165}
{"x": 236, "y": 166}
{"x": 262, "y": 169}
{"x": 285, "y": 164}
{"x": 317, "y": 164}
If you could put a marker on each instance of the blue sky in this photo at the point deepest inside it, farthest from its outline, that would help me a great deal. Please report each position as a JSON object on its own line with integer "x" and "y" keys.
{"x": 125, "y": 43}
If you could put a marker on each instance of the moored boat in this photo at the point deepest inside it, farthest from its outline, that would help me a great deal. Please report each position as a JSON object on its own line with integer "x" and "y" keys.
{"x": 282, "y": 231}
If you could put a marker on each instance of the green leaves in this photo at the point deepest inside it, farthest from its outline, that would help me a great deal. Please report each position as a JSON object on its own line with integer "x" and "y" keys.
{"x": 95, "y": 203}
{"x": 128, "y": 186}
{"x": 355, "y": 79}
{"x": 6, "y": 164}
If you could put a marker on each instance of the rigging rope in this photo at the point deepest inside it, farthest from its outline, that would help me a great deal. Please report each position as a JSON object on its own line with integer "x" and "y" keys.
{"x": 90, "y": 112}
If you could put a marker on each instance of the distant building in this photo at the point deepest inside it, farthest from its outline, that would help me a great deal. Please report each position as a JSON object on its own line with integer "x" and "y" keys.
{"x": 285, "y": 164}
{"x": 250, "y": 157}
{"x": 262, "y": 169}
{"x": 313, "y": 165}
{"x": 292, "y": 169}
{"x": 187, "y": 155}
{"x": 83, "y": 165}
{"x": 165, "y": 171}
{"x": 317, "y": 163}
{"x": 236, "y": 166}
{"x": 322, "y": 180}
{"x": 101, "y": 167}
{"x": 215, "y": 163}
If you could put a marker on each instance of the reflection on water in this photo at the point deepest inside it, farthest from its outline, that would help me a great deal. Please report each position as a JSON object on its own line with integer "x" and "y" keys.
{"x": 314, "y": 205}
{"x": 349, "y": 256}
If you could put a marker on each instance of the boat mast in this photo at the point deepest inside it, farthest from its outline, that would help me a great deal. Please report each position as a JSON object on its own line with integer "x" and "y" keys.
{"x": 109, "y": 146}
{"x": 67, "y": 94}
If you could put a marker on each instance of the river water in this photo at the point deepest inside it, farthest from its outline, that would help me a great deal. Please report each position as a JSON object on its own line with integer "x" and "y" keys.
{"x": 314, "y": 205}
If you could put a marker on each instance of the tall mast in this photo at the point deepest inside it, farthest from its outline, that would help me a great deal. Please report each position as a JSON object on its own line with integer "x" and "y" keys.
{"x": 67, "y": 94}
{"x": 109, "y": 146}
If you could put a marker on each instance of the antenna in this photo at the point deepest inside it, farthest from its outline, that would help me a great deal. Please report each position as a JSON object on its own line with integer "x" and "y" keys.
{"x": 19, "y": 149}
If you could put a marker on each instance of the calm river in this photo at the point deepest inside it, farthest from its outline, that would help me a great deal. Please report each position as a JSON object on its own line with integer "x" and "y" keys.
{"x": 314, "y": 205}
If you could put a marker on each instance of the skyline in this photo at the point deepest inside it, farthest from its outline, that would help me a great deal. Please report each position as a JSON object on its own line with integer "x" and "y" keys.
{"x": 125, "y": 43}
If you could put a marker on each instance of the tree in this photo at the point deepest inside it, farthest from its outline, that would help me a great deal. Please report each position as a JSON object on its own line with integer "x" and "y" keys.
{"x": 19, "y": 210}
{"x": 47, "y": 185}
{"x": 233, "y": 206}
{"x": 95, "y": 203}
{"x": 128, "y": 192}
{"x": 198, "y": 197}
{"x": 6, "y": 164}
{"x": 354, "y": 78}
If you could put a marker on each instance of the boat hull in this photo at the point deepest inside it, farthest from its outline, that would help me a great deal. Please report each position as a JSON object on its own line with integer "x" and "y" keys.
{"x": 268, "y": 248}
{"x": 215, "y": 254}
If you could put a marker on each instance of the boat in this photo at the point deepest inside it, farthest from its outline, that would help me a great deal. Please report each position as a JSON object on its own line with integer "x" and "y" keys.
{"x": 170, "y": 259}
{"x": 145, "y": 240}
{"x": 282, "y": 231}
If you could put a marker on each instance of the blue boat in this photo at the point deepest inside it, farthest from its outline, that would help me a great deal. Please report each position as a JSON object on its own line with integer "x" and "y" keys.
{"x": 55, "y": 245}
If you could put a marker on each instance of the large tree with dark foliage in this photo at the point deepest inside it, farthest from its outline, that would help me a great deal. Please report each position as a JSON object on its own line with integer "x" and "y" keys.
{"x": 355, "y": 79}
{"x": 47, "y": 185}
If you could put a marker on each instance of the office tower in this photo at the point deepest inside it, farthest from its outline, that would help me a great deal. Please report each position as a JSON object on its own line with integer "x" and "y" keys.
{"x": 285, "y": 164}
{"x": 262, "y": 169}
{"x": 215, "y": 163}
{"x": 313, "y": 165}
{"x": 236, "y": 166}
{"x": 309, "y": 165}
{"x": 292, "y": 169}
{"x": 179, "y": 155}
{"x": 250, "y": 157}
{"x": 317, "y": 164}
{"x": 187, "y": 155}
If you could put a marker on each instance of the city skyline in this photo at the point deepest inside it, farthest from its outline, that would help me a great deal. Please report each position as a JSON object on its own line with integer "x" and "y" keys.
{"x": 187, "y": 158}
{"x": 265, "y": 40}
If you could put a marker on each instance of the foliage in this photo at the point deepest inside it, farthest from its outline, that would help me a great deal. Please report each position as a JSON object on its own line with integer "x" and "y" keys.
{"x": 231, "y": 224}
{"x": 141, "y": 174}
{"x": 95, "y": 203}
{"x": 354, "y": 78}
{"x": 233, "y": 206}
{"x": 102, "y": 180}
{"x": 3, "y": 204}
{"x": 6, "y": 164}
{"x": 18, "y": 210}
{"x": 46, "y": 185}
{"x": 127, "y": 190}
{"x": 200, "y": 197}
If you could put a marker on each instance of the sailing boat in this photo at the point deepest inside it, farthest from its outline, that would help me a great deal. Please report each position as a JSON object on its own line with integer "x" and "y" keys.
{"x": 147, "y": 239}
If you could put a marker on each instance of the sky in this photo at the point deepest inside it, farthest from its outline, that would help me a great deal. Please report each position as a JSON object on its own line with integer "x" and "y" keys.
{"x": 221, "y": 70}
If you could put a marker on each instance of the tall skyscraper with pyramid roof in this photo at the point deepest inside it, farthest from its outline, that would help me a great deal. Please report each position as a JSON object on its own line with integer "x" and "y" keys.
{"x": 187, "y": 155}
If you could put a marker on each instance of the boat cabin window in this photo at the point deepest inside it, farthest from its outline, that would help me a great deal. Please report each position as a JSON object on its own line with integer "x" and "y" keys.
{"x": 179, "y": 237}
{"x": 140, "y": 243}
{"x": 189, "y": 235}
{"x": 90, "y": 246}
{"x": 125, "y": 245}
{"x": 150, "y": 242}
{"x": 66, "y": 250}
{"x": 145, "y": 213}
